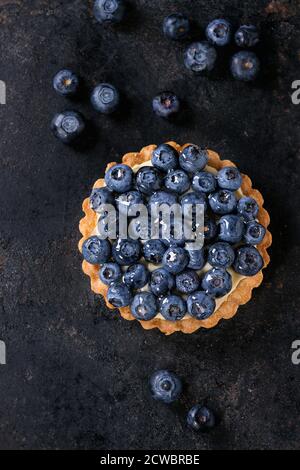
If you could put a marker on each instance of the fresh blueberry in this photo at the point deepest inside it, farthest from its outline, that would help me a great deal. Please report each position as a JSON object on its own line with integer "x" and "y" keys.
{"x": 148, "y": 180}
{"x": 176, "y": 26}
{"x": 210, "y": 228}
{"x": 254, "y": 233}
{"x": 99, "y": 197}
{"x": 144, "y": 306}
{"x": 197, "y": 258}
{"x": 177, "y": 181}
{"x": 218, "y": 32}
{"x": 119, "y": 178}
{"x": 247, "y": 36}
{"x": 166, "y": 104}
{"x": 66, "y": 83}
{"x": 175, "y": 259}
{"x": 162, "y": 197}
{"x": 193, "y": 158}
{"x": 248, "y": 261}
{"x": 187, "y": 282}
{"x": 221, "y": 255}
{"x": 173, "y": 308}
{"x": 165, "y": 158}
{"x": 153, "y": 251}
{"x": 222, "y": 201}
{"x": 165, "y": 386}
{"x": 194, "y": 200}
{"x": 68, "y": 126}
{"x": 229, "y": 177}
{"x": 231, "y": 228}
{"x": 200, "y": 305}
{"x": 217, "y": 282}
{"x": 119, "y": 295}
{"x": 204, "y": 182}
{"x": 245, "y": 66}
{"x": 200, "y": 57}
{"x": 161, "y": 282}
{"x": 110, "y": 272}
{"x": 136, "y": 276}
{"x": 109, "y": 11}
{"x": 126, "y": 252}
{"x": 248, "y": 208}
{"x": 105, "y": 98}
{"x": 125, "y": 202}
{"x": 96, "y": 251}
{"x": 200, "y": 418}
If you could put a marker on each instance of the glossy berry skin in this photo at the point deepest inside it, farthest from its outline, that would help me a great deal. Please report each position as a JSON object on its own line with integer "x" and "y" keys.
{"x": 187, "y": 282}
{"x": 68, "y": 126}
{"x": 218, "y": 32}
{"x": 175, "y": 259}
{"x": 204, "y": 182}
{"x": 176, "y": 26}
{"x": 248, "y": 261}
{"x": 161, "y": 282}
{"x": 194, "y": 200}
{"x": 165, "y": 158}
{"x": 217, "y": 282}
{"x": 125, "y": 202}
{"x": 254, "y": 233}
{"x": 197, "y": 258}
{"x": 126, "y": 252}
{"x": 148, "y": 180}
{"x": 119, "y": 178}
{"x": 200, "y": 305}
{"x": 119, "y": 295}
{"x": 105, "y": 98}
{"x": 144, "y": 306}
{"x": 162, "y": 197}
{"x": 222, "y": 201}
{"x": 200, "y": 418}
{"x": 245, "y": 66}
{"x": 231, "y": 228}
{"x": 165, "y": 386}
{"x": 140, "y": 228}
{"x": 136, "y": 276}
{"x": 200, "y": 57}
{"x": 173, "y": 308}
{"x": 110, "y": 272}
{"x": 109, "y": 11}
{"x": 153, "y": 251}
{"x": 229, "y": 177}
{"x": 177, "y": 181}
{"x": 100, "y": 196}
{"x": 248, "y": 208}
{"x": 247, "y": 36}
{"x": 166, "y": 104}
{"x": 210, "y": 228}
{"x": 221, "y": 255}
{"x": 192, "y": 158}
{"x": 96, "y": 251}
{"x": 66, "y": 83}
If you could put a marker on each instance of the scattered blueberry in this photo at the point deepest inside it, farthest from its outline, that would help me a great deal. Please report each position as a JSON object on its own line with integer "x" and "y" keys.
{"x": 254, "y": 233}
{"x": 248, "y": 208}
{"x": 161, "y": 282}
{"x": 144, "y": 306}
{"x": 217, "y": 282}
{"x": 200, "y": 57}
{"x": 187, "y": 282}
{"x": 247, "y": 36}
{"x": 177, "y": 181}
{"x": 95, "y": 250}
{"x": 66, "y": 83}
{"x": 153, "y": 251}
{"x": 125, "y": 202}
{"x": 110, "y": 272}
{"x": 126, "y": 252}
{"x": 162, "y": 197}
{"x": 99, "y": 197}
{"x": 231, "y": 228}
{"x": 176, "y": 26}
{"x": 136, "y": 276}
{"x": 109, "y": 11}
{"x": 248, "y": 261}
{"x": 222, "y": 201}
{"x": 148, "y": 180}
{"x": 68, "y": 126}
{"x": 221, "y": 255}
{"x": 165, "y": 158}
{"x": 119, "y": 178}
{"x": 197, "y": 258}
{"x": 204, "y": 182}
{"x": 173, "y": 308}
{"x": 200, "y": 305}
{"x": 105, "y": 98}
{"x": 229, "y": 177}
{"x": 175, "y": 259}
{"x": 165, "y": 386}
{"x": 193, "y": 199}
{"x": 200, "y": 418}
{"x": 218, "y": 32}
{"x": 245, "y": 66}
{"x": 165, "y": 104}
{"x": 192, "y": 158}
{"x": 119, "y": 295}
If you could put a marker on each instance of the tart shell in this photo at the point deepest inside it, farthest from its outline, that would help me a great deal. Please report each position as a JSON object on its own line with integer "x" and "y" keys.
{"x": 239, "y": 296}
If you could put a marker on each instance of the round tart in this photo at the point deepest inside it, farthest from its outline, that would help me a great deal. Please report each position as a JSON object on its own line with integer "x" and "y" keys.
{"x": 160, "y": 282}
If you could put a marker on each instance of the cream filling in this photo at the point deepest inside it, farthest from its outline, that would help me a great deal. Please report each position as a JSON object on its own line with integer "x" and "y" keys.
{"x": 236, "y": 278}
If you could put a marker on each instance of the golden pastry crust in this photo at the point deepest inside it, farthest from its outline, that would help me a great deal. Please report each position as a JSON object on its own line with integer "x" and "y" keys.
{"x": 241, "y": 294}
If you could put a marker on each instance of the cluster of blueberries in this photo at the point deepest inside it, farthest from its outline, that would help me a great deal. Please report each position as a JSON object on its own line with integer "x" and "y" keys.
{"x": 175, "y": 287}
{"x": 166, "y": 386}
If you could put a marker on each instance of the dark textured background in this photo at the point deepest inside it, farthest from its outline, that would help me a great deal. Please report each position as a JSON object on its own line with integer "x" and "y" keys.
{"x": 77, "y": 374}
